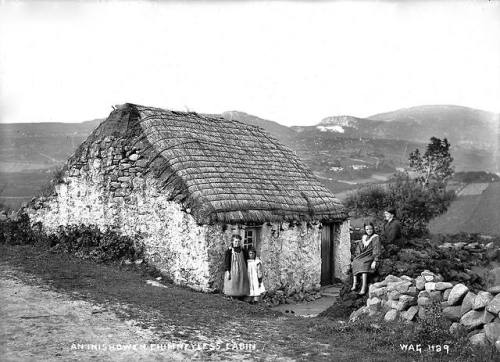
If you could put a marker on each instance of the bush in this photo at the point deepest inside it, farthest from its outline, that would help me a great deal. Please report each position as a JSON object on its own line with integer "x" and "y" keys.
{"x": 416, "y": 205}
{"x": 88, "y": 242}
{"x": 84, "y": 241}
{"x": 19, "y": 232}
{"x": 57, "y": 178}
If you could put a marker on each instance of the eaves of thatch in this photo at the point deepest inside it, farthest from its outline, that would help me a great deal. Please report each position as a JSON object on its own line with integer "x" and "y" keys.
{"x": 223, "y": 171}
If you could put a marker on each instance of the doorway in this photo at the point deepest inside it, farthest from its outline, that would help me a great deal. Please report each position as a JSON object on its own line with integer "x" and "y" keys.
{"x": 328, "y": 234}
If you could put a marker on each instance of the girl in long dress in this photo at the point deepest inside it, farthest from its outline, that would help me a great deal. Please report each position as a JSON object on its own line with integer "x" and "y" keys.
{"x": 366, "y": 258}
{"x": 236, "y": 275}
{"x": 255, "y": 276}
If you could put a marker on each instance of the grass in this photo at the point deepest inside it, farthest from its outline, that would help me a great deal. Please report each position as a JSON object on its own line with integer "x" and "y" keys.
{"x": 471, "y": 213}
{"x": 180, "y": 314}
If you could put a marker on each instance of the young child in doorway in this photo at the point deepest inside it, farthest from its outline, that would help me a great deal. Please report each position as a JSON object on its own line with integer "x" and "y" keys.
{"x": 255, "y": 276}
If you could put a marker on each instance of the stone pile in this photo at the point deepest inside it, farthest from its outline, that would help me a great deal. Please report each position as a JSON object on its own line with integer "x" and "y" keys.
{"x": 408, "y": 299}
{"x": 474, "y": 250}
{"x": 454, "y": 261}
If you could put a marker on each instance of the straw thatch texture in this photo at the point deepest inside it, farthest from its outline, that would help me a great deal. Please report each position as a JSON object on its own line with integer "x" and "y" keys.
{"x": 224, "y": 170}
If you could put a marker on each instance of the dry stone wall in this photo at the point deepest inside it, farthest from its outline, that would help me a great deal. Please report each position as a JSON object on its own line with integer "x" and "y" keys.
{"x": 407, "y": 299}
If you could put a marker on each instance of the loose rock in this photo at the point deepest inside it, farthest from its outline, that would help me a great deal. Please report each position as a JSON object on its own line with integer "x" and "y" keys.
{"x": 393, "y": 295}
{"x": 422, "y": 313}
{"x": 373, "y": 301}
{"x": 492, "y": 331}
{"x": 430, "y": 286}
{"x": 478, "y": 339}
{"x": 403, "y": 287}
{"x": 443, "y": 286}
{"x": 436, "y": 296}
{"x": 494, "y": 305}
{"x": 410, "y": 313}
{"x": 474, "y": 319}
{"x": 378, "y": 292}
{"x": 482, "y": 299}
{"x": 420, "y": 283}
{"x": 407, "y": 301}
{"x": 446, "y": 294}
{"x": 358, "y": 313}
{"x": 457, "y": 293}
{"x": 424, "y": 301}
{"x": 467, "y": 302}
{"x": 453, "y": 313}
{"x": 456, "y": 328}
{"x": 392, "y": 278}
{"x": 391, "y": 315}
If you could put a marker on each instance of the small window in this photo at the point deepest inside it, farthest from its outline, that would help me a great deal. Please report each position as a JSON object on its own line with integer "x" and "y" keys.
{"x": 250, "y": 238}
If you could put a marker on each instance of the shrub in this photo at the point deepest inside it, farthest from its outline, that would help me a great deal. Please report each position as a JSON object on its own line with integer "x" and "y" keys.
{"x": 84, "y": 241}
{"x": 89, "y": 242}
{"x": 18, "y": 232}
{"x": 57, "y": 178}
{"x": 416, "y": 205}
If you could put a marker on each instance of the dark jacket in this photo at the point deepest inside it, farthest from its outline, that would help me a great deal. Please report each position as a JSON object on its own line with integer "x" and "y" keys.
{"x": 392, "y": 233}
{"x": 227, "y": 258}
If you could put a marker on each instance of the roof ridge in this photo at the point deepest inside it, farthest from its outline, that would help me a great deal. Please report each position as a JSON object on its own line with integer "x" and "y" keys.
{"x": 210, "y": 116}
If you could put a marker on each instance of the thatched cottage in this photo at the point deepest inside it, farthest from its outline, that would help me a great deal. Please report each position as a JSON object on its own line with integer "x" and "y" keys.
{"x": 185, "y": 182}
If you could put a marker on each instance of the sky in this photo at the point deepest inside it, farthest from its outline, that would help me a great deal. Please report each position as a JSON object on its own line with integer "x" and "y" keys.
{"x": 293, "y": 62}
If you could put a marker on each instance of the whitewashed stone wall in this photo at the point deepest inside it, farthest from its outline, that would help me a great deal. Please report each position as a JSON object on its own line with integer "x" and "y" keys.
{"x": 173, "y": 241}
{"x": 291, "y": 256}
{"x": 188, "y": 253}
{"x": 342, "y": 251}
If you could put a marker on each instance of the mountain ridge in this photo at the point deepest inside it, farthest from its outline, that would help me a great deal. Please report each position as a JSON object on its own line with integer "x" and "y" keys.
{"x": 346, "y": 152}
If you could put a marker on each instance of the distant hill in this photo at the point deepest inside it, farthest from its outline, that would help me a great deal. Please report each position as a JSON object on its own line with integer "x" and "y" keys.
{"x": 283, "y": 133}
{"x": 462, "y": 126}
{"x": 25, "y": 146}
{"x": 343, "y": 151}
{"x": 474, "y": 134}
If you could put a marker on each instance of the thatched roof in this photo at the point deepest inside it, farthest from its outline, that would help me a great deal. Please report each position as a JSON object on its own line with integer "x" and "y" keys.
{"x": 227, "y": 171}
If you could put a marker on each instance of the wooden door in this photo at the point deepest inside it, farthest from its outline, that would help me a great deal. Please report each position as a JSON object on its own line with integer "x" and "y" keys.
{"x": 327, "y": 269}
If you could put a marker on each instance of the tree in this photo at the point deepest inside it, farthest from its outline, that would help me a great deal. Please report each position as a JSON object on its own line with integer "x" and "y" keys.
{"x": 416, "y": 205}
{"x": 417, "y": 200}
{"x": 434, "y": 166}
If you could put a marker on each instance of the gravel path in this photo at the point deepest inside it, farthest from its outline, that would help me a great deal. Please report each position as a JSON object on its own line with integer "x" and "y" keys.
{"x": 40, "y": 325}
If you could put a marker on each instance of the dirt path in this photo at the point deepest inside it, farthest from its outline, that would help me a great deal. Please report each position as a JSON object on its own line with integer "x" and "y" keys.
{"x": 53, "y": 306}
{"x": 38, "y": 324}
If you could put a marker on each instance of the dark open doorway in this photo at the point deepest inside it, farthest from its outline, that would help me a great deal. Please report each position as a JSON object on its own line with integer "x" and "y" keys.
{"x": 328, "y": 234}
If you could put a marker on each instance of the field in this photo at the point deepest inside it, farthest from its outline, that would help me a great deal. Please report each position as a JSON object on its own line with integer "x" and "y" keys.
{"x": 19, "y": 187}
{"x": 476, "y": 210}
